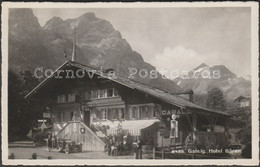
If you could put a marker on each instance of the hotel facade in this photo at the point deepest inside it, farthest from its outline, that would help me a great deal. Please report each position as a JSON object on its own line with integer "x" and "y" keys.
{"x": 88, "y": 105}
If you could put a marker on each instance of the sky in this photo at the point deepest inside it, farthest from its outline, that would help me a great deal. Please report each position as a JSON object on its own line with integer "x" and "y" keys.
{"x": 178, "y": 38}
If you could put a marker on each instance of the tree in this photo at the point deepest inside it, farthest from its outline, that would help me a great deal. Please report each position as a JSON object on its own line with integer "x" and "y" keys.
{"x": 215, "y": 100}
{"x": 244, "y": 135}
{"x": 14, "y": 101}
{"x": 21, "y": 112}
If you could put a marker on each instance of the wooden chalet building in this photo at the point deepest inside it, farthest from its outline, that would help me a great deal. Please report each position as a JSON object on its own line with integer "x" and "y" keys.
{"x": 242, "y": 101}
{"x": 77, "y": 104}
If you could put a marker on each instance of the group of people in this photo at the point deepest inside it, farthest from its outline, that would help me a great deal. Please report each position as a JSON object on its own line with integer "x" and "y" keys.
{"x": 190, "y": 140}
{"x": 124, "y": 147}
{"x": 51, "y": 141}
{"x": 138, "y": 149}
{"x": 115, "y": 148}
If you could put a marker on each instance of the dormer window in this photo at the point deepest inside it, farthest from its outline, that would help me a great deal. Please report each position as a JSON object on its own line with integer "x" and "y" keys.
{"x": 71, "y": 97}
{"x": 62, "y": 99}
{"x": 94, "y": 94}
{"x": 115, "y": 93}
{"x": 102, "y": 93}
{"x": 110, "y": 92}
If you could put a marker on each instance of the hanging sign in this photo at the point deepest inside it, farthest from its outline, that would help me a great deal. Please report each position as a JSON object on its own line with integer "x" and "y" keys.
{"x": 46, "y": 115}
{"x": 174, "y": 116}
{"x": 171, "y": 112}
{"x": 42, "y": 120}
{"x": 43, "y": 126}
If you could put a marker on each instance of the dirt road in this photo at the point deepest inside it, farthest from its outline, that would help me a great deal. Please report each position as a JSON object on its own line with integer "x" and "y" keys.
{"x": 42, "y": 153}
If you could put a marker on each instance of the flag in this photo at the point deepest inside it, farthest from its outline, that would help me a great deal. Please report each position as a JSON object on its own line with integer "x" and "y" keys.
{"x": 65, "y": 55}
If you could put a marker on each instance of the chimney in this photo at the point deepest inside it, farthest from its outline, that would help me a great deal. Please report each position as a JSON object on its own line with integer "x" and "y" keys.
{"x": 191, "y": 94}
{"x": 74, "y": 57}
{"x": 187, "y": 94}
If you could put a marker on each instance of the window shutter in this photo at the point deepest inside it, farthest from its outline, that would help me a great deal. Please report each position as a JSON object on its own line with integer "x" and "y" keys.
{"x": 98, "y": 113}
{"x": 123, "y": 113}
{"x": 117, "y": 110}
{"x": 137, "y": 112}
{"x": 130, "y": 112}
{"x": 109, "y": 114}
{"x": 119, "y": 113}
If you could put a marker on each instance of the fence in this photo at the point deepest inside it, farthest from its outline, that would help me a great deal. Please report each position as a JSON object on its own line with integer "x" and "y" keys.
{"x": 211, "y": 139}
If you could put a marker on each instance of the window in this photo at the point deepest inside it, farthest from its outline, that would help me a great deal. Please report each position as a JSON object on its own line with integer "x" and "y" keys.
{"x": 146, "y": 111}
{"x": 71, "y": 97}
{"x": 157, "y": 110}
{"x": 104, "y": 113}
{"x": 94, "y": 94}
{"x": 154, "y": 113}
{"x": 65, "y": 98}
{"x": 121, "y": 114}
{"x": 114, "y": 113}
{"x": 62, "y": 99}
{"x": 140, "y": 111}
{"x": 133, "y": 112}
{"x": 102, "y": 93}
{"x": 87, "y": 95}
{"x": 115, "y": 92}
{"x": 110, "y": 92}
{"x": 137, "y": 113}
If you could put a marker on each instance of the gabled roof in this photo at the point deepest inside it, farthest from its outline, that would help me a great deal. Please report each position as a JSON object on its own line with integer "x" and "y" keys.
{"x": 241, "y": 97}
{"x": 152, "y": 91}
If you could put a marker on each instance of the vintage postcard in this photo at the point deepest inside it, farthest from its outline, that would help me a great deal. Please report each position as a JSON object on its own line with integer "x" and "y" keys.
{"x": 130, "y": 83}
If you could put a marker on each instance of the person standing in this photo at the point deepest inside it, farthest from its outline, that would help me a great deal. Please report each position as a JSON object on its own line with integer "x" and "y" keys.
{"x": 140, "y": 148}
{"x": 48, "y": 142}
{"x": 136, "y": 150}
{"x": 110, "y": 144}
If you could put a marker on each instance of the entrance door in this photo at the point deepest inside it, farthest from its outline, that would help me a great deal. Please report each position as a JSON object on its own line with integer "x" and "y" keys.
{"x": 87, "y": 118}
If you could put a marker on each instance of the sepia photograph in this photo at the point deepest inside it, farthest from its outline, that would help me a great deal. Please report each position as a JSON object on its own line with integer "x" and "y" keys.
{"x": 130, "y": 83}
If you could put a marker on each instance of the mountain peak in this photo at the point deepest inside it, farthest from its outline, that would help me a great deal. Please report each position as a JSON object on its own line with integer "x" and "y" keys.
{"x": 88, "y": 16}
{"x": 203, "y": 65}
{"x": 21, "y": 20}
{"x": 56, "y": 18}
{"x": 52, "y": 22}
{"x": 225, "y": 72}
{"x": 22, "y": 12}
